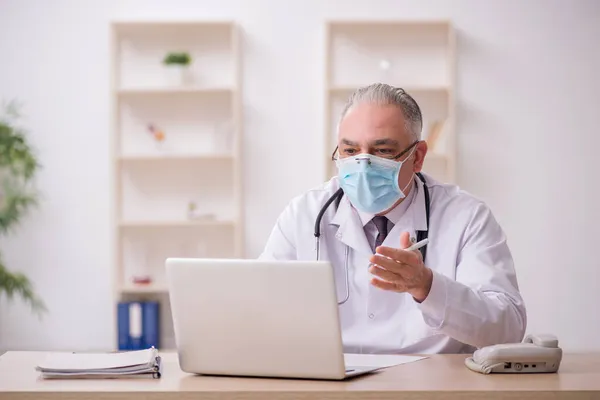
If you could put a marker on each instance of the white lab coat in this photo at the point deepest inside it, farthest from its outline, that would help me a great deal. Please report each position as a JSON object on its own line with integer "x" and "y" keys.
{"x": 474, "y": 299}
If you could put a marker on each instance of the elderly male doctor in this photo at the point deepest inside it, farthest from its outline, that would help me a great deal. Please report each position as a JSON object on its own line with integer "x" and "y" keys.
{"x": 463, "y": 296}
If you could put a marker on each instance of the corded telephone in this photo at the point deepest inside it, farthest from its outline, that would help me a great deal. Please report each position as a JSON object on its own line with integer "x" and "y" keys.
{"x": 535, "y": 354}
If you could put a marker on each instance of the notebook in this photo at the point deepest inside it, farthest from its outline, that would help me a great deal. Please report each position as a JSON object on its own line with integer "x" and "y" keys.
{"x": 139, "y": 363}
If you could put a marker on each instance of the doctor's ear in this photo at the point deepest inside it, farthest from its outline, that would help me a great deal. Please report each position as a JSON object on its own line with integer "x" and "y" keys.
{"x": 420, "y": 153}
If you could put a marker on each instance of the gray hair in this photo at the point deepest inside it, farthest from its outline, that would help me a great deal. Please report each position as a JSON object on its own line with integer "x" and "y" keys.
{"x": 381, "y": 93}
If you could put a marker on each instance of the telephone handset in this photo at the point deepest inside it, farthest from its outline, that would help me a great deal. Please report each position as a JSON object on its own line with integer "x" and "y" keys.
{"x": 535, "y": 354}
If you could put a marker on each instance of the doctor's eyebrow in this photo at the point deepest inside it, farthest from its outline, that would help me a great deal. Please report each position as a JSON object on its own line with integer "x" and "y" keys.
{"x": 349, "y": 142}
{"x": 381, "y": 142}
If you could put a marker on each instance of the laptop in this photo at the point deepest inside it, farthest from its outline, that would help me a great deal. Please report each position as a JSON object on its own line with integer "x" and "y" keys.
{"x": 257, "y": 318}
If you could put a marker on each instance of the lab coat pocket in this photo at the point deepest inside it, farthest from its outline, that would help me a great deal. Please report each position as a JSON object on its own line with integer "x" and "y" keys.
{"x": 415, "y": 329}
{"x": 399, "y": 321}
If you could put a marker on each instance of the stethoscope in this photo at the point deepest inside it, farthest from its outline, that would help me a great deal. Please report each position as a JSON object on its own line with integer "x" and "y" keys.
{"x": 337, "y": 197}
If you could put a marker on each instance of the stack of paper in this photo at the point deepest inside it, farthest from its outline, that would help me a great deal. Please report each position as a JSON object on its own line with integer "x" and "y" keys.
{"x": 138, "y": 363}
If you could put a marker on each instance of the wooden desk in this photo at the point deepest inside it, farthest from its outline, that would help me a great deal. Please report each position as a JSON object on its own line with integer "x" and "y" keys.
{"x": 438, "y": 377}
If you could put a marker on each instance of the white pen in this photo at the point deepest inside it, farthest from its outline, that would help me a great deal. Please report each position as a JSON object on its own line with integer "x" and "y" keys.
{"x": 418, "y": 245}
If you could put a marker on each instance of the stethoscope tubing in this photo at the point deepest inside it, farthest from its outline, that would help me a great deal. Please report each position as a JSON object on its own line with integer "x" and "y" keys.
{"x": 337, "y": 196}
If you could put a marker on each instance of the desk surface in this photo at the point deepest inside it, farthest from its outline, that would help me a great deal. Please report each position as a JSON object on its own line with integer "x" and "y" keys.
{"x": 437, "y": 377}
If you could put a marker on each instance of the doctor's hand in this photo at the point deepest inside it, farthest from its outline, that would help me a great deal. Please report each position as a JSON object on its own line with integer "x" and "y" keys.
{"x": 401, "y": 270}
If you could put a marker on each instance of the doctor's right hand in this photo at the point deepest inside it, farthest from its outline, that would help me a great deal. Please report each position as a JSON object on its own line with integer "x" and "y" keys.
{"x": 401, "y": 270}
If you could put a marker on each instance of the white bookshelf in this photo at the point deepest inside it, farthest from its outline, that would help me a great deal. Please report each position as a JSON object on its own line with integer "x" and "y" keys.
{"x": 418, "y": 56}
{"x": 198, "y": 161}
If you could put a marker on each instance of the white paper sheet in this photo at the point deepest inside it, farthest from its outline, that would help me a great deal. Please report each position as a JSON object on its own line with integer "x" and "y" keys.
{"x": 378, "y": 360}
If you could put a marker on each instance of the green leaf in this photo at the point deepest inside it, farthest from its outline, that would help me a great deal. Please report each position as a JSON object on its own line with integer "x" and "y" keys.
{"x": 18, "y": 166}
{"x": 15, "y": 153}
{"x": 15, "y": 201}
{"x": 18, "y": 284}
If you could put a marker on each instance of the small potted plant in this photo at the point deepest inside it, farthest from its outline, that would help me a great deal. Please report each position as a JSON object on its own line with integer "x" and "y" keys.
{"x": 177, "y": 65}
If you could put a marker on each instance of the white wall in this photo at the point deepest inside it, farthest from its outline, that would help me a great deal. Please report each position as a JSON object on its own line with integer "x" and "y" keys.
{"x": 528, "y": 102}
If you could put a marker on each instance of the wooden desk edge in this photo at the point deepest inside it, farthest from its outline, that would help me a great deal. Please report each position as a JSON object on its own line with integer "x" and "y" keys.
{"x": 305, "y": 395}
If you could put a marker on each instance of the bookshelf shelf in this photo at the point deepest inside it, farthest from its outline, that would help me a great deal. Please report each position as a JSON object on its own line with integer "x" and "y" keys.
{"x": 418, "y": 56}
{"x": 177, "y": 224}
{"x": 177, "y": 157}
{"x": 144, "y": 289}
{"x": 349, "y": 89}
{"x": 161, "y": 26}
{"x": 175, "y": 90}
{"x": 176, "y": 147}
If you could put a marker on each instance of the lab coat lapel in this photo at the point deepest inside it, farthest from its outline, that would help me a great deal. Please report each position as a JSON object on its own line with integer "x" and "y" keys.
{"x": 418, "y": 212}
{"x": 350, "y": 229}
{"x": 413, "y": 219}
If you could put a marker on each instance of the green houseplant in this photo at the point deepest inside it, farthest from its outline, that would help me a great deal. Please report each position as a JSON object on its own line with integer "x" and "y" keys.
{"x": 18, "y": 167}
{"x": 177, "y": 65}
{"x": 174, "y": 58}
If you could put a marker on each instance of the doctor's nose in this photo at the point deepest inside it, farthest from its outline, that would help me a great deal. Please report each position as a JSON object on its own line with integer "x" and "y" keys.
{"x": 362, "y": 159}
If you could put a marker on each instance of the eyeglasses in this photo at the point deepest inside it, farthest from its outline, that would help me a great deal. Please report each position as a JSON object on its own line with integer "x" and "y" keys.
{"x": 403, "y": 152}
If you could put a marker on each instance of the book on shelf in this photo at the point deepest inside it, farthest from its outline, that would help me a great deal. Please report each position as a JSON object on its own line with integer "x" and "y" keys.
{"x": 131, "y": 364}
{"x": 435, "y": 134}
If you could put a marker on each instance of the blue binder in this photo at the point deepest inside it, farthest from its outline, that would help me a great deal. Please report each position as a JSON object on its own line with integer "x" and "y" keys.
{"x": 150, "y": 324}
{"x": 138, "y": 325}
{"x": 124, "y": 341}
